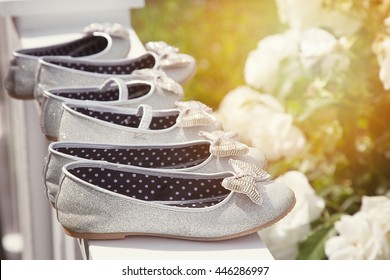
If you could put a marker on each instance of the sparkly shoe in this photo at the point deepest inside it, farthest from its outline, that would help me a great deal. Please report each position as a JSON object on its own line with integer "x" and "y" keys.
{"x": 116, "y": 125}
{"x": 106, "y": 201}
{"x": 59, "y": 71}
{"x": 109, "y": 41}
{"x": 210, "y": 155}
{"x": 160, "y": 93}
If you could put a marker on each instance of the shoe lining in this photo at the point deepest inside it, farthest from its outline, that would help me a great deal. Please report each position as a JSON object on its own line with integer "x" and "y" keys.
{"x": 83, "y": 47}
{"x": 126, "y": 120}
{"x": 177, "y": 157}
{"x": 112, "y": 94}
{"x": 146, "y": 61}
{"x": 161, "y": 189}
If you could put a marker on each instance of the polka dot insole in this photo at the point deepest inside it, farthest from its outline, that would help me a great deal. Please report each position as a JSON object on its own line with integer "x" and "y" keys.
{"x": 175, "y": 191}
{"x": 157, "y": 123}
{"x": 135, "y": 91}
{"x": 145, "y": 61}
{"x": 85, "y": 46}
{"x": 177, "y": 157}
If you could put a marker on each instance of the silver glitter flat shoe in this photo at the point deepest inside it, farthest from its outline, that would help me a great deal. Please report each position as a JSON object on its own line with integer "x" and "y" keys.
{"x": 59, "y": 71}
{"x": 160, "y": 93}
{"x": 107, "y": 41}
{"x": 117, "y": 125}
{"x": 210, "y": 155}
{"x": 106, "y": 201}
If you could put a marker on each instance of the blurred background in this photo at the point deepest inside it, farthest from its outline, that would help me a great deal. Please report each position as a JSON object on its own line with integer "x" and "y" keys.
{"x": 307, "y": 83}
{"x": 219, "y": 34}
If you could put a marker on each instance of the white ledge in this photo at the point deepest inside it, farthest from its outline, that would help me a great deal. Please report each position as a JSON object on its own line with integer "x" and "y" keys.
{"x": 249, "y": 247}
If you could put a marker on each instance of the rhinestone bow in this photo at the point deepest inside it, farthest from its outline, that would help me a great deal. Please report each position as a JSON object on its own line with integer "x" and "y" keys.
{"x": 245, "y": 181}
{"x": 194, "y": 113}
{"x": 224, "y": 143}
{"x": 113, "y": 29}
{"x": 161, "y": 80}
{"x": 169, "y": 56}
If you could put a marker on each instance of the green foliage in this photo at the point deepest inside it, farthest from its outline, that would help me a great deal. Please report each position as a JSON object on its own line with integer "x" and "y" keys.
{"x": 313, "y": 247}
{"x": 219, "y": 34}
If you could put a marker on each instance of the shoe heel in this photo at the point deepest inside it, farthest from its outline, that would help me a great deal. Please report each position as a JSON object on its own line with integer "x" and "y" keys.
{"x": 51, "y": 138}
{"x": 94, "y": 236}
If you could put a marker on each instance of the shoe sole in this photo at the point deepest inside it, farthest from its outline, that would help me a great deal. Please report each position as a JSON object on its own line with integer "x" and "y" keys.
{"x": 121, "y": 235}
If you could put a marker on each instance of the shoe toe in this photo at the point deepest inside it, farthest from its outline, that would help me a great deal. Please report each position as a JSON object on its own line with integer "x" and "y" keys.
{"x": 257, "y": 157}
{"x": 278, "y": 199}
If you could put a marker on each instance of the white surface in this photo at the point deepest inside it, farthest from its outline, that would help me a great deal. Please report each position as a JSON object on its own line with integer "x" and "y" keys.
{"x": 34, "y": 18}
{"x": 64, "y": 247}
{"x": 49, "y": 7}
{"x": 249, "y": 247}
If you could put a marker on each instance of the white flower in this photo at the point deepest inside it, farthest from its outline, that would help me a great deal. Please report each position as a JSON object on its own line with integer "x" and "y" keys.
{"x": 304, "y": 14}
{"x": 261, "y": 70}
{"x": 384, "y": 62}
{"x": 234, "y": 109}
{"x": 261, "y": 122}
{"x": 382, "y": 51}
{"x": 365, "y": 235}
{"x": 387, "y": 24}
{"x": 340, "y": 23}
{"x": 382, "y": 47}
{"x": 262, "y": 65}
{"x": 384, "y": 73}
{"x": 275, "y": 134}
{"x": 299, "y": 13}
{"x": 238, "y": 104}
{"x": 283, "y": 237}
{"x": 356, "y": 240}
{"x": 378, "y": 210}
{"x": 318, "y": 46}
{"x": 280, "y": 60}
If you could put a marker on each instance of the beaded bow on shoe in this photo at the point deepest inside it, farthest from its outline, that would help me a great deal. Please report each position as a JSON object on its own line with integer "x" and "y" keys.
{"x": 224, "y": 143}
{"x": 113, "y": 29}
{"x": 246, "y": 179}
{"x": 161, "y": 80}
{"x": 169, "y": 56}
{"x": 194, "y": 113}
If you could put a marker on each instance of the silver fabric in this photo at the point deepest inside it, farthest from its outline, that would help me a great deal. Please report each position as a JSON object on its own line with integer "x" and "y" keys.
{"x": 78, "y": 127}
{"x": 21, "y": 73}
{"x": 50, "y": 75}
{"x": 157, "y": 97}
{"x": 52, "y": 173}
{"x": 248, "y": 175}
{"x": 85, "y": 208}
{"x": 56, "y": 160}
{"x": 20, "y": 81}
